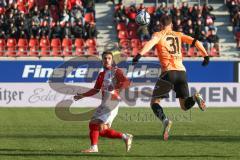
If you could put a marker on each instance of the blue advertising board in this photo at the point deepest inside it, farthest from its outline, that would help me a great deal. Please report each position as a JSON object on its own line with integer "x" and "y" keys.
{"x": 41, "y": 71}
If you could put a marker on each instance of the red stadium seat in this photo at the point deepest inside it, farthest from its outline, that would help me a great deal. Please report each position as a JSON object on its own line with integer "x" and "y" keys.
{"x": 191, "y": 52}
{"x": 135, "y": 43}
{"x": 151, "y": 9}
{"x": 2, "y": 47}
{"x": 91, "y": 43}
{"x": 123, "y": 35}
{"x": 135, "y": 51}
{"x": 214, "y": 52}
{"x": 67, "y": 46}
{"x": 22, "y": 47}
{"x": 133, "y": 34}
{"x": 45, "y": 47}
{"x": 89, "y": 17}
{"x": 121, "y": 26}
{"x": 79, "y": 44}
{"x": 33, "y": 47}
{"x": 11, "y": 47}
{"x": 124, "y": 43}
{"x": 56, "y": 47}
{"x": 184, "y": 53}
{"x": 132, "y": 26}
{"x": 132, "y": 15}
{"x": 92, "y": 51}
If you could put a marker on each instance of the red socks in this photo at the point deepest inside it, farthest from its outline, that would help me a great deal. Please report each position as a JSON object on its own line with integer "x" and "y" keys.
{"x": 94, "y": 133}
{"x": 109, "y": 133}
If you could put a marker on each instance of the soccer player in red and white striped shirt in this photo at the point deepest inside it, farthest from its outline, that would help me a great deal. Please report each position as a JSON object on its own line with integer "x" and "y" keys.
{"x": 110, "y": 81}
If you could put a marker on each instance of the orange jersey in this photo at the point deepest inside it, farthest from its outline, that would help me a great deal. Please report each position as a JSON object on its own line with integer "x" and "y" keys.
{"x": 169, "y": 49}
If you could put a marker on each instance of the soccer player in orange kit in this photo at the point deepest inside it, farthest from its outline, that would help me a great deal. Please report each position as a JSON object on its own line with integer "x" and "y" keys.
{"x": 168, "y": 44}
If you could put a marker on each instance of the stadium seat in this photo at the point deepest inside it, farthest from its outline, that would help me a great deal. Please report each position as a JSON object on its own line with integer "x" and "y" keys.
{"x": 124, "y": 43}
{"x": 2, "y": 47}
{"x": 132, "y": 26}
{"x": 135, "y": 43}
{"x": 151, "y": 9}
{"x": 33, "y": 47}
{"x": 45, "y": 47}
{"x": 11, "y": 47}
{"x": 133, "y": 34}
{"x": 132, "y": 15}
{"x": 56, "y": 47}
{"x": 214, "y": 52}
{"x": 91, "y": 43}
{"x": 135, "y": 51}
{"x": 88, "y": 17}
{"x": 91, "y": 46}
{"x": 92, "y": 51}
{"x": 67, "y": 46}
{"x": 191, "y": 52}
{"x": 79, "y": 46}
{"x": 184, "y": 53}
{"x": 121, "y": 26}
{"x": 22, "y": 47}
{"x": 123, "y": 35}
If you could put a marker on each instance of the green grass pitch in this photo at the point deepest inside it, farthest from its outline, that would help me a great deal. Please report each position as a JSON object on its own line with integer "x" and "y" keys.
{"x": 36, "y": 133}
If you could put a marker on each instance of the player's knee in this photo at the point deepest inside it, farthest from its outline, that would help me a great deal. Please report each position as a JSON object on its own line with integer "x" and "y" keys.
{"x": 154, "y": 100}
{"x": 188, "y": 103}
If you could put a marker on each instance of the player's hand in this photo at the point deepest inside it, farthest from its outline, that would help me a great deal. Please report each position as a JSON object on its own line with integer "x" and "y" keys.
{"x": 205, "y": 61}
{"x": 78, "y": 96}
{"x": 136, "y": 59}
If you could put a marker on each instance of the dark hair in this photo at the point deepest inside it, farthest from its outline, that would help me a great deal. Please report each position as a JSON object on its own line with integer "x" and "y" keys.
{"x": 166, "y": 20}
{"x": 106, "y": 53}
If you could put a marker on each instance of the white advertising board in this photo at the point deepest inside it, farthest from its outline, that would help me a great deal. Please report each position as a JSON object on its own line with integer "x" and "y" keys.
{"x": 42, "y": 95}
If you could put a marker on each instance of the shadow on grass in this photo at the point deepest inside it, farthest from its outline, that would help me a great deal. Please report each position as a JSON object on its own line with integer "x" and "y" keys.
{"x": 46, "y": 153}
{"x": 211, "y": 138}
{"x": 25, "y": 136}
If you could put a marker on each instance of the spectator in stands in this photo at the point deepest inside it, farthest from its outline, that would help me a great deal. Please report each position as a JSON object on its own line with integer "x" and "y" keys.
{"x": 178, "y": 26}
{"x": 13, "y": 31}
{"x": 76, "y": 14}
{"x": 120, "y": 14}
{"x": 90, "y": 30}
{"x": 77, "y": 30}
{"x": 89, "y": 6}
{"x": 177, "y": 17}
{"x": 185, "y": 10}
{"x": 206, "y": 10}
{"x": 44, "y": 29}
{"x": 143, "y": 33}
{"x": 132, "y": 13}
{"x": 56, "y": 31}
{"x": 161, "y": 10}
{"x": 67, "y": 33}
{"x": 3, "y": 34}
{"x": 236, "y": 22}
{"x": 35, "y": 30}
{"x": 157, "y": 27}
{"x": 187, "y": 27}
{"x": 3, "y": 3}
{"x": 212, "y": 39}
{"x": 194, "y": 12}
{"x": 65, "y": 17}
